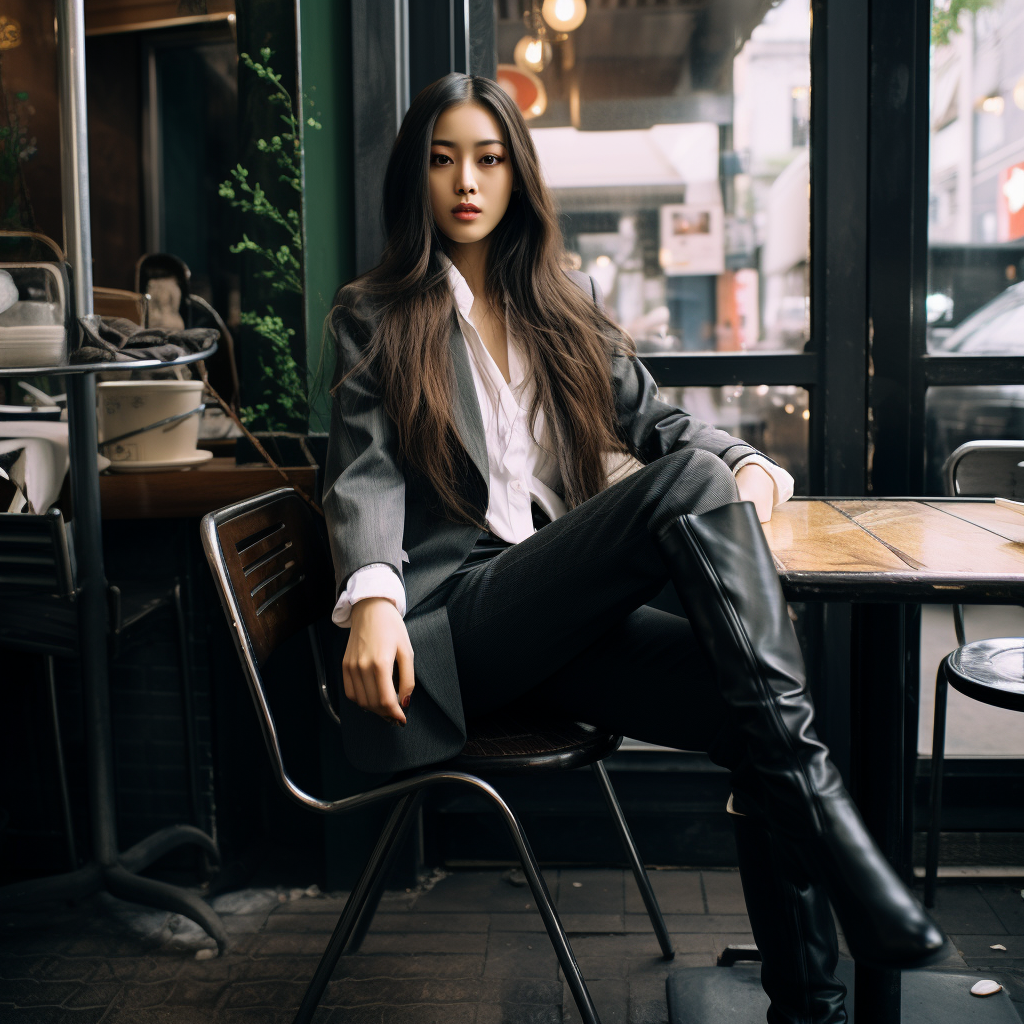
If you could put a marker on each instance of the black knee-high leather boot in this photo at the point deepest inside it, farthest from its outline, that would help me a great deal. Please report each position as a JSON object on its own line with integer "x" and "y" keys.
{"x": 793, "y": 928}
{"x": 723, "y": 572}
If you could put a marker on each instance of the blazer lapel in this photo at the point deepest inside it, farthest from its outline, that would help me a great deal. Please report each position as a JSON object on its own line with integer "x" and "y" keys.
{"x": 468, "y": 417}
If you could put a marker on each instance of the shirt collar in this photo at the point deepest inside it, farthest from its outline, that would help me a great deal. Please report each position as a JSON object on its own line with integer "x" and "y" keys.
{"x": 460, "y": 290}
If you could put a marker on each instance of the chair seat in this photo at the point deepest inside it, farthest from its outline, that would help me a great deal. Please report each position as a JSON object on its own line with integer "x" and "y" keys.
{"x": 990, "y": 671}
{"x": 507, "y": 743}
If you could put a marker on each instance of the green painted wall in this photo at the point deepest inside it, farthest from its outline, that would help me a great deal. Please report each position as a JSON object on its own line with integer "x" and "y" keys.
{"x": 325, "y": 46}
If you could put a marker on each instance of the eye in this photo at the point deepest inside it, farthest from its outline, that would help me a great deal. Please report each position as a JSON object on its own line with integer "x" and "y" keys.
{"x": 436, "y": 158}
{"x": 492, "y": 158}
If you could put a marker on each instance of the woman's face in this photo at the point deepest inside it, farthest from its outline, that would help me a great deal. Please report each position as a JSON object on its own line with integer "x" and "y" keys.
{"x": 469, "y": 167}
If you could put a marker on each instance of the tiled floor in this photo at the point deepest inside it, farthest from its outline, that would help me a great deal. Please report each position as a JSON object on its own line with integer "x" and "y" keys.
{"x": 467, "y": 949}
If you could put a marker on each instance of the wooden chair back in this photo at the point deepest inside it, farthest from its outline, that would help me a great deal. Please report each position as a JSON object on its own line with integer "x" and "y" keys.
{"x": 37, "y": 610}
{"x": 273, "y": 570}
{"x": 986, "y": 469}
{"x": 34, "y": 556}
{"x": 117, "y": 302}
{"x": 275, "y": 577}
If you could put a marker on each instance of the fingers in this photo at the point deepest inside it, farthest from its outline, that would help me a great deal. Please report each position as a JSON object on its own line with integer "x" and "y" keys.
{"x": 406, "y": 677}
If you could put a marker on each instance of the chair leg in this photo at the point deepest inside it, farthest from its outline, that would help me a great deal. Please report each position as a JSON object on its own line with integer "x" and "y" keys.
{"x": 188, "y": 718}
{"x": 372, "y": 902}
{"x": 65, "y": 797}
{"x": 643, "y": 882}
{"x": 931, "y": 860}
{"x": 546, "y": 908}
{"x": 355, "y": 906}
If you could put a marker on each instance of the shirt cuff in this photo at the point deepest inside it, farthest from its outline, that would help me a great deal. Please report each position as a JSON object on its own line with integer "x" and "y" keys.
{"x": 374, "y": 580}
{"x": 780, "y": 478}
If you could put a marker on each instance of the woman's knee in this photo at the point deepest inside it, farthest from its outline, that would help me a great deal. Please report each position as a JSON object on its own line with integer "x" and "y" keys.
{"x": 700, "y": 482}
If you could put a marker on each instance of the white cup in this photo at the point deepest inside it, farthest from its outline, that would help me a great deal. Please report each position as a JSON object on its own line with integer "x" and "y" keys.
{"x": 127, "y": 405}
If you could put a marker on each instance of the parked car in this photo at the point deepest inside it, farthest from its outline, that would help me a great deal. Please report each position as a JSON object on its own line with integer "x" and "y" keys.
{"x": 989, "y": 412}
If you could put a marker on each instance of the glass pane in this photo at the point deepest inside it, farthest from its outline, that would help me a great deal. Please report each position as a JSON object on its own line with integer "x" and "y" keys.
{"x": 976, "y": 192}
{"x": 772, "y": 419}
{"x": 954, "y": 415}
{"x": 675, "y": 139}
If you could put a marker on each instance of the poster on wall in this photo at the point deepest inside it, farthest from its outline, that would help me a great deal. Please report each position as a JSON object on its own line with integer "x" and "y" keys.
{"x": 692, "y": 239}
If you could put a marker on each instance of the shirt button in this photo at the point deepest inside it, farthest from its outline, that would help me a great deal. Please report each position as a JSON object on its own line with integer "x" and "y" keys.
{"x": 516, "y": 485}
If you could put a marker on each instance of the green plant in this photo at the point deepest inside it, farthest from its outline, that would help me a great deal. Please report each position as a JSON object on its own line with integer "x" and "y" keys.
{"x": 946, "y": 17}
{"x": 285, "y": 388}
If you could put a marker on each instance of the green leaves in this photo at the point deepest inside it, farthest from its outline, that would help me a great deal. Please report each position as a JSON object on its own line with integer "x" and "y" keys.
{"x": 946, "y": 17}
{"x": 285, "y": 392}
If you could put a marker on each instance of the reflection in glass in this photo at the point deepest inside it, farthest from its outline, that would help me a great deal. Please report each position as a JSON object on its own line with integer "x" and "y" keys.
{"x": 773, "y": 419}
{"x": 976, "y": 187}
{"x": 675, "y": 140}
{"x": 955, "y": 415}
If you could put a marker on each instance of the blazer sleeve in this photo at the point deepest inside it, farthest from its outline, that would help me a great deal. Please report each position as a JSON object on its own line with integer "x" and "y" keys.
{"x": 653, "y": 428}
{"x": 364, "y": 488}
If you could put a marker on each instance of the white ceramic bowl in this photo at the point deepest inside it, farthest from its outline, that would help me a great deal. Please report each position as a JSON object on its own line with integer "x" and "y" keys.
{"x": 126, "y": 405}
{"x": 32, "y": 345}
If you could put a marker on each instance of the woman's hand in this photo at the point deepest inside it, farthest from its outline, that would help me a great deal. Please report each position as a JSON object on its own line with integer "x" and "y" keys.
{"x": 378, "y": 641}
{"x": 755, "y": 484}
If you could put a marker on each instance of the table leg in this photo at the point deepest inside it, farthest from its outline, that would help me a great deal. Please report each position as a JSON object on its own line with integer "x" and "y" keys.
{"x": 877, "y": 769}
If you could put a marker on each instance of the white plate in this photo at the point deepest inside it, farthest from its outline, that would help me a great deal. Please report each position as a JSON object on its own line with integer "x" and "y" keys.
{"x": 195, "y": 459}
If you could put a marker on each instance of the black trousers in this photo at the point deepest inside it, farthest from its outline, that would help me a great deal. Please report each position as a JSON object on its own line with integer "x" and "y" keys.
{"x": 558, "y": 621}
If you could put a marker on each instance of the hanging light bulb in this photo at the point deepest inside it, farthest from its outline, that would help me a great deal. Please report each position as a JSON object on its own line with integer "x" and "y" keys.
{"x": 564, "y": 15}
{"x": 532, "y": 53}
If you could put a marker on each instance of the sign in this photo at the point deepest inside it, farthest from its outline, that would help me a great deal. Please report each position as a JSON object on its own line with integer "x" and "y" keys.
{"x": 692, "y": 239}
{"x": 1010, "y": 203}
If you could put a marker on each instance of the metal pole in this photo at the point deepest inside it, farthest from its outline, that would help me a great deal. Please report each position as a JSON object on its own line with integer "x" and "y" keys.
{"x": 91, "y": 580}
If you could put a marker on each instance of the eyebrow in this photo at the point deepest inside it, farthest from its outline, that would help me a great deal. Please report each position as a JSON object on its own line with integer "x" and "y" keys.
{"x": 451, "y": 145}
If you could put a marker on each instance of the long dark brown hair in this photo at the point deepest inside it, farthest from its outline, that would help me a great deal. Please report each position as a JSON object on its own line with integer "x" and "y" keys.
{"x": 567, "y": 340}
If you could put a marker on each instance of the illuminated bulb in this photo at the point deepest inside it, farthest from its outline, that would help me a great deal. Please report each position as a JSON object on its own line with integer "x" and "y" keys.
{"x": 790, "y": 408}
{"x": 762, "y": 389}
{"x": 603, "y": 261}
{"x": 806, "y": 414}
{"x": 564, "y": 15}
{"x": 992, "y": 105}
{"x": 532, "y": 53}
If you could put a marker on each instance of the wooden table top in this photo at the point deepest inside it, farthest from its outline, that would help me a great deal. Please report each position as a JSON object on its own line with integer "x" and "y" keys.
{"x": 930, "y": 550}
{"x": 192, "y": 493}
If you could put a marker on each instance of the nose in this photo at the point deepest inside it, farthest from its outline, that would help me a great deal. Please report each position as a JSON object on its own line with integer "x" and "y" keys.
{"x": 467, "y": 183}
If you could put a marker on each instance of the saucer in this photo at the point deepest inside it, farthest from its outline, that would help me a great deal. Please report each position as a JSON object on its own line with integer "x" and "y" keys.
{"x": 130, "y": 466}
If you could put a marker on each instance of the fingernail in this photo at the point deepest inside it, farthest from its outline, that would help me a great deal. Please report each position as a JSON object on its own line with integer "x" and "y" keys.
{"x": 406, "y": 699}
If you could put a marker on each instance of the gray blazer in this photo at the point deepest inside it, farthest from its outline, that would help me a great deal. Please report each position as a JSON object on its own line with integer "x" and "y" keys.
{"x": 379, "y": 511}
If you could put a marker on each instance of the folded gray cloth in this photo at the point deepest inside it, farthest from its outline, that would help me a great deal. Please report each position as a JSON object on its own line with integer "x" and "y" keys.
{"x": 109, "y": 339}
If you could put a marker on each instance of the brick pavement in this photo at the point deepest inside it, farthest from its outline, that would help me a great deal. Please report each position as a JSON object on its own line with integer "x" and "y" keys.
{"x": 467, "y": 948}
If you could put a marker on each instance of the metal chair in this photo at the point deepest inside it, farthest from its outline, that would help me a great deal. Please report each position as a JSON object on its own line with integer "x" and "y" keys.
{"x": 985, "y": 670}
{"x": 273, "y": 572}
{"x": 38, "y": 613}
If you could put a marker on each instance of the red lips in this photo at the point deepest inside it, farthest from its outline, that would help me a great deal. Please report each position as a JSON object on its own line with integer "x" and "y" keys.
{"x": 465, "y": 208}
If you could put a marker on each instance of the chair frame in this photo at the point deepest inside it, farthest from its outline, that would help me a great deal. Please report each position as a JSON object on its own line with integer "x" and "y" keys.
{"x": 43, "y": 539}
{"x": 946, "y": 677}
{"x": 406, "y": 793}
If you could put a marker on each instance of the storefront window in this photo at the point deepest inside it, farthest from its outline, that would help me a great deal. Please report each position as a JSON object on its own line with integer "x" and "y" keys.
{"x": 675, "y": 139}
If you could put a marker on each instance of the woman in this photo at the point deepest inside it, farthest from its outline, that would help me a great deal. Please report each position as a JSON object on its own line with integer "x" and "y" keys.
{"x": 482, "y": 396}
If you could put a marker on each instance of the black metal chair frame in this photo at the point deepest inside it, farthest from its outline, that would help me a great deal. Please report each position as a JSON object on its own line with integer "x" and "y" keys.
{"x": 284, "y": 569}
{"x": 950, "y": 672}
{"x": 36, "y": 569}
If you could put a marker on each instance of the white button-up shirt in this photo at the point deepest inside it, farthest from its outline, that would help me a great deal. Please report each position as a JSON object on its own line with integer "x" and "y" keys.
{"x": 520, "y": 470}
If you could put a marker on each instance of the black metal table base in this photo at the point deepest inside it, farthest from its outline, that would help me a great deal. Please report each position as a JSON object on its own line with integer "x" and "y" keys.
{"x": 120, "y": 879}
{"x": 733, "y": 995}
